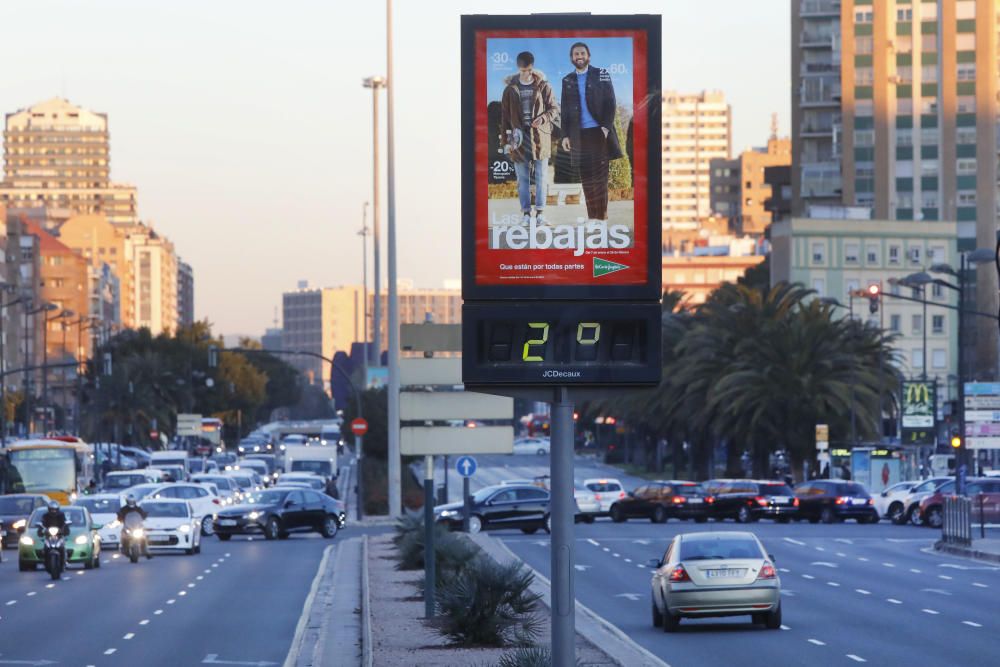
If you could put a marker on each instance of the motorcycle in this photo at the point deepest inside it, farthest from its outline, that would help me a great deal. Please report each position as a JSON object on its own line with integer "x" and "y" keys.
{"x": 133, "y": 538}
{"x": 54, "y": 554}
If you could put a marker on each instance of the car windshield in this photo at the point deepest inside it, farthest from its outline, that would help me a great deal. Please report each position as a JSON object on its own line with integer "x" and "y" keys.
{"x": 604, "y": 487}
{"x": 265, "y": 498}
{"x": 141, "y": 491}
{"x": 196, "y": 465}
{"x": 73, "y": 514}
{"x": 15, "y": 506}
{"x": 775, "y": 490}
{"x": 718, "y": 548}
{"x": 41, "y": 469}
{"x": 218, "y": 480}
{"x": 851, "y": 490}
{"x": 928, "y": 486}
{"x": 688, "y": 489}
{"x": 319, "y": 467}
{"x": 171, "y": 510}
{"x": 947, "y": 487}
{"x": 99, "y": 505}
{"x": 243, "y": 481}
{"x": 119, "y": 481}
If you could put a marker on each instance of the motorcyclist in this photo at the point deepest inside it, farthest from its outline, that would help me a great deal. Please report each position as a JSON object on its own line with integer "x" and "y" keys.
{"x": 132, "y": 507}
{"x": 55, "y": 518}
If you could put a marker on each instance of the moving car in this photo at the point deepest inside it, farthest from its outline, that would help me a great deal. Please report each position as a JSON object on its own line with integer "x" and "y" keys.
{"x": 171, "y": 472}
{"x": 748, "y": 500}
{"x": 103, "y": 508}
{"x": 83, "y": 546}
{"x": 502, "y": 506}
{"x": 204, "y": 500}
{"x": 889, "y": 503}
{"x": 606, "y": 491}
{"x": 587, "y": 506}
{"x": 277, "y": 512}
{"x": 171, "y": 525}
{"x": 662, "y": 500}
{"x": 830, "y": 500}
{"x": 539, "y": 446}
{"x": 14, "y": 512}
{"x": 119, "y": 482}
{"x": 270, "y": 460}
{"x": 258, "y": 467}
{"x": 911, "y": 501}
{"x": 248, "y": 480}
{"x": 715, "y": 574}
{"x": 225, "y": 485}
{"x": 984, "y": 492}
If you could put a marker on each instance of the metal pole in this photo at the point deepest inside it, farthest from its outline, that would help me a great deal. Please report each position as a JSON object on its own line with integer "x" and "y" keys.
{"x": 854, "y": 428}
{"x": 45, "y": 373}
{"x": 446, "y": 498}
{"x": 429, "y": 536}
{"x": 376, "y": 351}
{"x": 467, "y": 499}
{"x": 960, "y": 454}
{"x": 562, "y": 510}
{"x": 359, "y": 445}
{"x": 27, "y": 376}
{"x": 364, "y": 294}
{"x": 3, "y": 383}
{"x": 923, "y": 371}
{"x": 395, "y": 476}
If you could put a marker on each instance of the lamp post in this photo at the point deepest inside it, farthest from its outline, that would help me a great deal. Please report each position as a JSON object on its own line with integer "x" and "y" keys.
{"x": 376, "y": 83}
{"x": 45, "y": 361}
{"x": 363, "y": 233}
{"x": 967, "y": 259}
{"x": 919, "y": 282}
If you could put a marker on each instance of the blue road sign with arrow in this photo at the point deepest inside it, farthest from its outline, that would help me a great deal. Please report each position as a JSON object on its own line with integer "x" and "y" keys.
{"x": 466, "y": 466}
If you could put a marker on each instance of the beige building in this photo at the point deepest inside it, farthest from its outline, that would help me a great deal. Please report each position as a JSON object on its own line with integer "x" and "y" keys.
{"x": 738, "y": 188}
{"x": 700, "y": 275}
{"x": 696, "y": 130}
{"x": 153, "y": 267}
{"x": 100, "y": 242}
{"x": 57, "y": 155}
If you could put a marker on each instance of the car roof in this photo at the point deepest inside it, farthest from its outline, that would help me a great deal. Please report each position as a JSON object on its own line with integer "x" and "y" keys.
{"x": 602, "y": 480}
{"x": 704, "y": 535}
{"x": 163, "y": 500}
{"x": 101, "y": 496}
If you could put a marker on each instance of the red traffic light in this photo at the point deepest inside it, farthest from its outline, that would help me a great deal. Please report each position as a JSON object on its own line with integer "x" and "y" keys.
{"x": 874, "y": 290}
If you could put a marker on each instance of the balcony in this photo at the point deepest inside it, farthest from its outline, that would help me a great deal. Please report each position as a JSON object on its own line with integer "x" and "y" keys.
{"x": 816, "y": 131}
{"x": 819, "y": 68}
{"x": 817, "y": 39}
{"x": 819, "y": 8}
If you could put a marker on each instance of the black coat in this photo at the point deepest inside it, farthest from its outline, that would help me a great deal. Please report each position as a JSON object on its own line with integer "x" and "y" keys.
{"x": 601, "y": 104}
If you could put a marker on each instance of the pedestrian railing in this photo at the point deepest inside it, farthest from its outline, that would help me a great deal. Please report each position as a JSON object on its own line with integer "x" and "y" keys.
{"x": 957, "y": 525}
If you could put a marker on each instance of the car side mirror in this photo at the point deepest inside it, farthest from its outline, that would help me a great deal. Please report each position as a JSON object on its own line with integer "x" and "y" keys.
{"x": 885, "y": 494}
{"x": 771, "y": 558}
{"x": 289, "y": 503}
{"x": 655, "y": 563}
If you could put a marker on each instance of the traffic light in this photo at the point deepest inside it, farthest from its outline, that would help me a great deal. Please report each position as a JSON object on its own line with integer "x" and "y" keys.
{"x": 956, "y": 441}
{"x": 874, "y": 294}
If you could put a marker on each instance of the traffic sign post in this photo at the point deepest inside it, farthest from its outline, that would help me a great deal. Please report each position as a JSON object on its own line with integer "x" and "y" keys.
{"x": 359, "y": 426}
{"x": 429, "y": 574}
{"x": 466, "y": 466}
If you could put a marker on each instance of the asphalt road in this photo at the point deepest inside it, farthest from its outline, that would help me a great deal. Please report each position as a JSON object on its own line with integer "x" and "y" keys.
{"x": 851, "y": 593}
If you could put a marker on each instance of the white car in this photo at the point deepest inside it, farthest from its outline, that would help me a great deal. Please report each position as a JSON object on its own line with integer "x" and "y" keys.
{"x": 911, "y": 501}
{"x": 103, "y": 508}
{"x": 316, "y": 482}
{"x": 889, "y": 503}
{"x": 204, "y": 502}
{"x": 588, "y": 507}
{"x": 257, "y": 466}
{"x": 607, "y": 491}
{"x": 170, "y": 524}
{"x": 226, "y": 486}
{"x": 248, "y": 481}
{"x": 539, "y": 446}
{"x": 120, "y": 481}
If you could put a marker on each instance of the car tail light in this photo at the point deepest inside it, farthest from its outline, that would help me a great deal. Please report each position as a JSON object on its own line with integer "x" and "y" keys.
{"x": 597, "y": 496}
{"x": 216, "y": 501}
{"x": 842, "y": 500}
{"x": 795, "y": 502}
{"x": 767, "y": 572}
{"x": 621, "y": 494}
{"x": 678, "y": 500}
{"x": 871, "y": 502}
{"x": 679, "y": 574}
{"x": 761, "y": 500}
{"x": 709, "y": 499}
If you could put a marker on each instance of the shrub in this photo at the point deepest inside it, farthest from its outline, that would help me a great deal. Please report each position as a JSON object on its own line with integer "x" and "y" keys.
{"x": 491, "y": 606}
{"x": 454, "y": 555}
{"x": 533, "y": 656}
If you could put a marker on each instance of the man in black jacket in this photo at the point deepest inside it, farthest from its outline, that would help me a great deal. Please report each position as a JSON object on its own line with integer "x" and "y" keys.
{"x": 588, "y": 125}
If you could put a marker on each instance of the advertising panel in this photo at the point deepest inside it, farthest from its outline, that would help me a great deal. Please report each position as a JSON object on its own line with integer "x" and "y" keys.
{"x": 561, "y": 155}
{"x": 919, "y": 407}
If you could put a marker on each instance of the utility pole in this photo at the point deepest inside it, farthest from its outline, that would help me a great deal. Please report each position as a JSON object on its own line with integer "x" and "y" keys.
{"x": 375, "y": 83}
{"x": 395, "y": 472}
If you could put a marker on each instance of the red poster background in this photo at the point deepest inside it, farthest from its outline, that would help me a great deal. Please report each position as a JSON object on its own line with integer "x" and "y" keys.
{"x": 487, "y": 265}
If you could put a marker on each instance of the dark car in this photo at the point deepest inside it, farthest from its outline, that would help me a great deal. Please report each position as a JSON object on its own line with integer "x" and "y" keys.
{"x": 830, "y": 500}
{"x": 523, "y": 506}
{"x": 276, "y": 513}
{"x": 749, "y": 500}
{"x": 662, "y": 500}
{"x": 14, "y": 512}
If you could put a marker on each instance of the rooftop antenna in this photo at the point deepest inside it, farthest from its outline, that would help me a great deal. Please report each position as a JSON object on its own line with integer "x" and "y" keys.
{"x": 774, "y": 125}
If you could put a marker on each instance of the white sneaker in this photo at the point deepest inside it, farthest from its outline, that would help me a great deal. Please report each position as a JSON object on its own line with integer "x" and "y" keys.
{"x": 540, "y": 218}
{"x": 526, "y": 220}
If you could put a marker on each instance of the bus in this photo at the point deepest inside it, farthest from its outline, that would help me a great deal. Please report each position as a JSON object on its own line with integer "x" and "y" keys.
{"x": 56, "y": 468}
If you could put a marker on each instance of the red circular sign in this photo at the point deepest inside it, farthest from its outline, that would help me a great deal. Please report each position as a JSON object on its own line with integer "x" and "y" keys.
{"x": 359, "y": 426}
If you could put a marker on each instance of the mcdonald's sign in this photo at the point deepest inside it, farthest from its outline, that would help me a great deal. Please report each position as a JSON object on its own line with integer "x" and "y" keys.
{"x": 919, "y": 410}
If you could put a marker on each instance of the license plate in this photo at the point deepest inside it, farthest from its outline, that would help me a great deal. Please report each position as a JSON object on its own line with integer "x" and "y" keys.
{"x": 780, "y": 500}
{"x": 695, "y": 501}
{"x": 719, "y": 574}
{"x": 227, "y": 522}
{"x": 159, "y": 540}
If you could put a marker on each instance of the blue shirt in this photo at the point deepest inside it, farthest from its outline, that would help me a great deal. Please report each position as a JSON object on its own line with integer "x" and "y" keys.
{"x": 586, "y": 120}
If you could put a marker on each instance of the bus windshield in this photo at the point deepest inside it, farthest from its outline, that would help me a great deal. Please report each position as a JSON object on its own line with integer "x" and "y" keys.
{"x": 37, "y": 470}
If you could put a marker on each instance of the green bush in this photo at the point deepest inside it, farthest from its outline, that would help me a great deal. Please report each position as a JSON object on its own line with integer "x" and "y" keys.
{"x": 529, "y": 656}
{"x": 491, "y": 606}
{"x": 454, "y": 555}
{"x": 411, "y": 546}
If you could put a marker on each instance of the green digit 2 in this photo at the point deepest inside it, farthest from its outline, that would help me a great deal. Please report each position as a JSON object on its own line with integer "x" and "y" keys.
{"x": 544, "y": 327}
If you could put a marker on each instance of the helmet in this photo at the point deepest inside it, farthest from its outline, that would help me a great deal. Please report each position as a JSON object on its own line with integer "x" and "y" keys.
{"x": 130, "y": 499}
{"x": 53, "y": 506}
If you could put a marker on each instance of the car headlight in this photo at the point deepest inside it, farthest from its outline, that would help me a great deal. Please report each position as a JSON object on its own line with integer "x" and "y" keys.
{"x": 114, "y": 524}
{"x": 185, "y": 528}
{"x": 19, "y": 524}
{"x": 27, "y": 541}
{"x": 253, "y": 516}
{"x": 448, "y": 513}
{"x": 80, "y": 540}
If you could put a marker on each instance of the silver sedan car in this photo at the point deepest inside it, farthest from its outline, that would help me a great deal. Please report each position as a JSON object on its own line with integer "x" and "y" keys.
{"x": 715, "y": 574}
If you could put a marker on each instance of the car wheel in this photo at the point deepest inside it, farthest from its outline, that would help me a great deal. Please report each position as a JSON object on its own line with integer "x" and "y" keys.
{"x": 272, "y": 529}
{"x": 895, "y": 513}
{"x": 207, "y": 525}
{"x": 530, "y": 531}
{"x": 657, "y": 616}
{"x": 89, "y": 563}
{"x": 670, "y": 622}
{"x": 329, "y": 527}
{"x": 934, "y": 517}
{"x": 617, "y": 515}
{"x": 97, "y": 562}
{"x": 475, "y": 525}
{"x": 915, "y": 517}
{"x": 827, "y": 515}
{"x": 541, "y": 452}
{"x": 223, "y": 537}
{"x": 743, "y": 514}
{"x": 26, "y": 567}
{"x": 659, "y": 514}
{"x": 773, "y": 621}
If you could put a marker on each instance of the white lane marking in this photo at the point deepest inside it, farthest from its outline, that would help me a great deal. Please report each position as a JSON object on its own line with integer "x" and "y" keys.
{"x": 628, "y": 560}
{"x": 783, "y": 569}
{"x": 631, "y": 596}
{"x": 972, "y": 624}
{"x": 129, "y": 635}
{"x": 856, "y": 658}
{"x": 642, "y": 542}
{"x": 106, "y": 561}
{"x": 893, "y": 600}
{"x": 862, "y": 591}
{"x": 199, "y": 577}
{"x": 914, "y": 570}
{"x": 190, "y": 585}
{"x": 833, "y": 583}
{"x": 979, "y": 585}
{"x": 50, "y": 585}
{"x": 822, "y": 563}
{"x": 228, "y": 554}
{"x": 158, "y": 612}
{"x": 144, "y": 621}
{"x": 581, "y": 568}
{"x": 953, "y": 566}
{"x": 862, "y": 559}
{"x": 80, "y": 572}
{"x": 606, "y": 548}
{"x": 616, "y": 555}
{"x": 66, "y": 578}
{"x": 930, "y": 611}
{"x": 171, "y": 601}
{"x": 820, "y": 549}
{"x": 594, "y": 542}
{"x": 808, "y": 576}
{"x": 208, "y": 571}
{"x": 842, "y": 554}
{"x": 32, "y": 593}
{"x": 889, "y": 564}
{"x": 843, "y": 540}
{"x": 110, "y": 651}
{"x": 938, "y": 591}
{"x": 215, "y": 565}
{"x": 791, "y": 541}
{"x": 11, "y": 602}
{"x": 640, "y": 565}
{"x": 182, "y": 592}
{"x": 785, "y": 627}
{"x": 945, "y": 577}
{"x": 816, "y": 642}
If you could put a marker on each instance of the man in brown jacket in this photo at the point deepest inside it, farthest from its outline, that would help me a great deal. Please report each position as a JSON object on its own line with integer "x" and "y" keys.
{"x": 528, "y": 116}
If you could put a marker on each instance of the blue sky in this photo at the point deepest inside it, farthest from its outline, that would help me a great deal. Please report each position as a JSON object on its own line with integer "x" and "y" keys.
{"x": 247, "y": 131}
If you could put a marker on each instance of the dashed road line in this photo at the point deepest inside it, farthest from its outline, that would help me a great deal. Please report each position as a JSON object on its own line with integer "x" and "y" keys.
{"x": 32, "y": 593}
{"x": 862, "y": 591}
{"x": 50, "y": 585}
{"x": 791, "y": 541}
{"x": 820, "y": 549}
{"x": 594, "y": 542}
{"x": 171, "y": 601}
{"x": 200, "y": 577}
{"x": 190, "y": 585}
{"x": 110, "y": 651}
{"x": 616, "y": 555}
{"x": 930, "y": 611}
{"x": 972, "y": 624}
{"x": 979, "y": 585}
{"x": 785, "y": 627}
{"x": 182, "y": 592}
{"x": 606, "y": 548}
{"x": 915, "y": 570}
{"x": 945, "y": 577}
{"x": 628, "y": 560}
{"x": 889, "y": 564}
{"x": 129, "y": 635}
{"x": 842, "y": 554}
{"x": 856, "y": 658}
{"x": 11, "y": 602}
{"x": 808, "y": 576}
{"x": 144, "y": 621}
{"x": 157, "y": 612}
{"x": 833, "y": 583}
{"x": 862, "y": 559}
{"x": 893, "y": 601}
{"x": 816, "y": 642}
{"x": 784, "y": 569}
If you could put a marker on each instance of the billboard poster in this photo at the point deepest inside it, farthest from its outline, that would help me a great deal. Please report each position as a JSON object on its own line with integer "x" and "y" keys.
{"x": 561, "y": 127}
{"x": 919, "y": 408}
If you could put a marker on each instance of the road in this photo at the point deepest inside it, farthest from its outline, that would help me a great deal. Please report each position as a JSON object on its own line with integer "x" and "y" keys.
{"x": 851, "y": 593}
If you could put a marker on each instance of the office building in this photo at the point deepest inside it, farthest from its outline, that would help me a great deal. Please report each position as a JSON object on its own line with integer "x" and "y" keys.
{"x": 696, "y": 130}
{"x": 739, "y": 190}
{"x": 153, "y": 267}
{"x": 185, "y": 294}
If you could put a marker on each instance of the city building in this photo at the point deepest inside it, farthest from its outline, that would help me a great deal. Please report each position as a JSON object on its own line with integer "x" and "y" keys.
{"x": 185, "y": 294}
{"x": 272, "y": 339}
{"x": 57, "y": 155}
{"x": 708, "y": 263}
{"x": 739, "y": 189}
{"x": 152, "y": 263}
{"x": 102, "y": 243}
{"x": 779, "y": 203}
{"x": 696, "y": 130}
{"x": 836, "y": 256}
{"x": 895, "y": 108}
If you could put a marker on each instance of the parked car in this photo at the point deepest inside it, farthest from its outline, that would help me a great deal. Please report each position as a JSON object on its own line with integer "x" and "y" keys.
{"x": 171, "y": 525}
{"x": 496, "y": 507}
{"x": 748, "y": 500}
{"x": 606, "y": 491}
{"x": 83, "y": 546}
{"x": 662, "y": 500}
{"x": 277, "y": 512}
{"x": 911, "y": 501}
{"x": 889, "y": 503}
{"x": 833, "y": 500}
{"x": 539, "y": 446}
{"x": 204, "y": 501}
{"x": 103, "y": 508}
{"x": 703, "y": 575}
{"x": 14, "y": 512}
{"x": 984, "y": 492}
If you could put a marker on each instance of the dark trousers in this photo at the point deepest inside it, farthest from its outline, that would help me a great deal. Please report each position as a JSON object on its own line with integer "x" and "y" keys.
{"x": 593, "y": 159}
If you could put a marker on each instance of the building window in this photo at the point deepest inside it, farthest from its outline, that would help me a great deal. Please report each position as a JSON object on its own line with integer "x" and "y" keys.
{"x": 863, "y": 76}
{"x": 966, "y": 103}
{"x": 905, "y": 137}
{"x": 937, "y": 292}
{"x": 817, "y": 253}
{"x": 929, "y": 199}
{"x": 965, "y": 135}
{"x": 966, "y": 71}
{"x": 819, "y": 285}
{"x": 937, "y": 323}
{"x": 904, "y": 14}
{"x": 914, "y": 254}
{"x": 928, "y": 43}
{"x": 894, "y": 323}
{"x": 928, "y": 167}
{"x": 862, "y": 45}
{"x": 966, "y": 197}
{"x": 929, "y": 74}
{"x": 851, "y": 251}
{"x": 917, "y": 324}
{"x": 864, "y": 137}
{"x": 966, "y": 165}
{"x": 939, "y": 358}
{"x": 871, "y": 255}
{"x": 863, "y": 15}
{"x": 965, "y": 41}
{"x": 917, "y": 358}
{"x": 894, "y": 254}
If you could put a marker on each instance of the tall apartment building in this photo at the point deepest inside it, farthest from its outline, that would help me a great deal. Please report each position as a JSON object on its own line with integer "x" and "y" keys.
{"x": 57, "y": 155}
{"x": 739, "y": 190}
{"x": 696, "y": 130}
{"x": 153, "y": 266}
{"x": 185, "y": 294}
{"x": 895, "y": 108}
{"x": 102, "y": 243}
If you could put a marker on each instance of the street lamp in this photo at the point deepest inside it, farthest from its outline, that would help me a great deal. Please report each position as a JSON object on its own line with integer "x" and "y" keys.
{"x": 3, "y": 359}
{"x": 976, "y": 256}
{"x": 363, "y": 233}
{"x": 376, "y": 83}
{"x": 85, "y": 323}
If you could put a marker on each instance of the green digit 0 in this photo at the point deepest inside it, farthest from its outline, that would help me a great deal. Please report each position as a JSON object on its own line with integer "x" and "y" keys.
{"x": 584, "y": 327}
{"x": 544, "y": 327}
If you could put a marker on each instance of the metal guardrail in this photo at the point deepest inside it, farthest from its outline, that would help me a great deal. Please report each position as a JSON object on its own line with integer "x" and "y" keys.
{"x": 957, "y": 525}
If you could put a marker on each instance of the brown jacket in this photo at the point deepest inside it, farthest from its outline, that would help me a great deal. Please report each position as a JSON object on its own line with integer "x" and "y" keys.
{"x": 544, "y": 107}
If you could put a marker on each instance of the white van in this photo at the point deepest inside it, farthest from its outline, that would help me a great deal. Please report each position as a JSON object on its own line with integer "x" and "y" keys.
{"x": 170, "y": 458}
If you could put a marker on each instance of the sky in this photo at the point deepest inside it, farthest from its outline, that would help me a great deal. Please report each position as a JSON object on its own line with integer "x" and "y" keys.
{"x": 247, "y": 131}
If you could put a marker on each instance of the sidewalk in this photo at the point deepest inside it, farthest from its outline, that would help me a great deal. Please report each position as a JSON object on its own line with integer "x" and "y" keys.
{"x": 982, "y": 549}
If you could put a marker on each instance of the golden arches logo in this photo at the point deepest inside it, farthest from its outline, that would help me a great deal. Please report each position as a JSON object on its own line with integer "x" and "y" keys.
{"x": 917, "y": 393}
